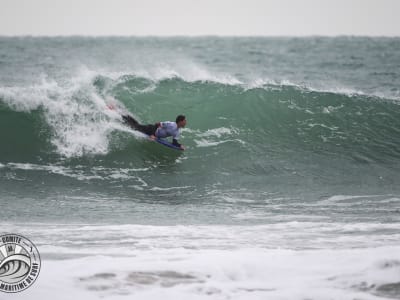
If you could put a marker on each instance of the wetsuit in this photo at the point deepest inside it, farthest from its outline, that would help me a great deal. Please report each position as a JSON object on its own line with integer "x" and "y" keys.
{"x": 149, "y": 129}
{"x": 160, "y": 130}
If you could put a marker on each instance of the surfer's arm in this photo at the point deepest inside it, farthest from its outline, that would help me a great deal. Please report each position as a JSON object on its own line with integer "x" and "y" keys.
{"x": 175, "y": 143}
{"x": 154, "y": 136}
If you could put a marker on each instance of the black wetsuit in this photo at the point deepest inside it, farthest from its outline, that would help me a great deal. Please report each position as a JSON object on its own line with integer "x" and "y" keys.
{"x": 149, "y": 129}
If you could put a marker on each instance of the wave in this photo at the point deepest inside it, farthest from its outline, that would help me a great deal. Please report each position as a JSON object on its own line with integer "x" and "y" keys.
{"x": 71, "y": 119}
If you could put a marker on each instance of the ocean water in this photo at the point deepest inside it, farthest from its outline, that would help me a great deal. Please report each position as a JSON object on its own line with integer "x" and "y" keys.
{"x": 289, "y": 186}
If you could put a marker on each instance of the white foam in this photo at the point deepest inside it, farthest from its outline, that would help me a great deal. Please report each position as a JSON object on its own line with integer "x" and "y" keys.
{"x": 346, "y": 197}
{"x": 337, "y": 199}
{"x": 81, "y": 173}
{"x": 218, "y": 132}
{"x": 207, "y": 143}
{"x": 169, "y": 188}
{"x": 192, "y": 72}
{"x": 212, "y": 137}
{"x": 197, "y": 262}
{"x": 316, "y": 234}
{"x": 271, "y": 84}
{"x": 77, "y": 115}
{"x": 186, "y": 70}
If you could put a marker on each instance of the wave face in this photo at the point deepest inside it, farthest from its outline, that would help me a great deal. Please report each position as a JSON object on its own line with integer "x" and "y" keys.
{"x": 286, "y": 121}
{"x": 303, "y": 118}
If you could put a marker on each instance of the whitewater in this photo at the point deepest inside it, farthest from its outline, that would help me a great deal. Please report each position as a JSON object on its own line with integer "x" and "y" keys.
{"x": 288, "y": 187}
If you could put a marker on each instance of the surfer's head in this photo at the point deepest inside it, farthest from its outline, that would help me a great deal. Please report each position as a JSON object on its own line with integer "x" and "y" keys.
{"x": 181, "y": 121}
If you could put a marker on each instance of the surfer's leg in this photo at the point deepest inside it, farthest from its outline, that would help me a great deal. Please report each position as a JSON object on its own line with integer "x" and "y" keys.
{"x": 131, "y": 121}
{"x": 147, "y": 129}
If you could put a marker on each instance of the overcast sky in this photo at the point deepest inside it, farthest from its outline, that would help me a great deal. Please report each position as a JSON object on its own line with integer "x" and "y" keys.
{"x": 200, "y": 17}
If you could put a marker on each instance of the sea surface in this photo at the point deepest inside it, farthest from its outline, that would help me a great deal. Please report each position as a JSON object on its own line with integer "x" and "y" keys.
{"x": 289, "y": 187}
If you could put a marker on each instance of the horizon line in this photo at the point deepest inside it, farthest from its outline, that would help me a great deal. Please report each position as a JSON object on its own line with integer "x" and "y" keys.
{"x": 190, "y": 36}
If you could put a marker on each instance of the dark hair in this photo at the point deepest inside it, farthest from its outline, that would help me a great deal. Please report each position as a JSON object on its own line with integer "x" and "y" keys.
{"x": 180, "y": 118}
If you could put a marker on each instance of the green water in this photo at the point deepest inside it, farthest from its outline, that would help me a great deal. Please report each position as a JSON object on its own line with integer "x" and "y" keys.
{"x": 286, "y": 121}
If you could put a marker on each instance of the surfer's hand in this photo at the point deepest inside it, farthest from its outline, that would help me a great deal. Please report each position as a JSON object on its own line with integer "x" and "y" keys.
{"x": 152, "y": 137}
{"x": 182, "y": 147}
